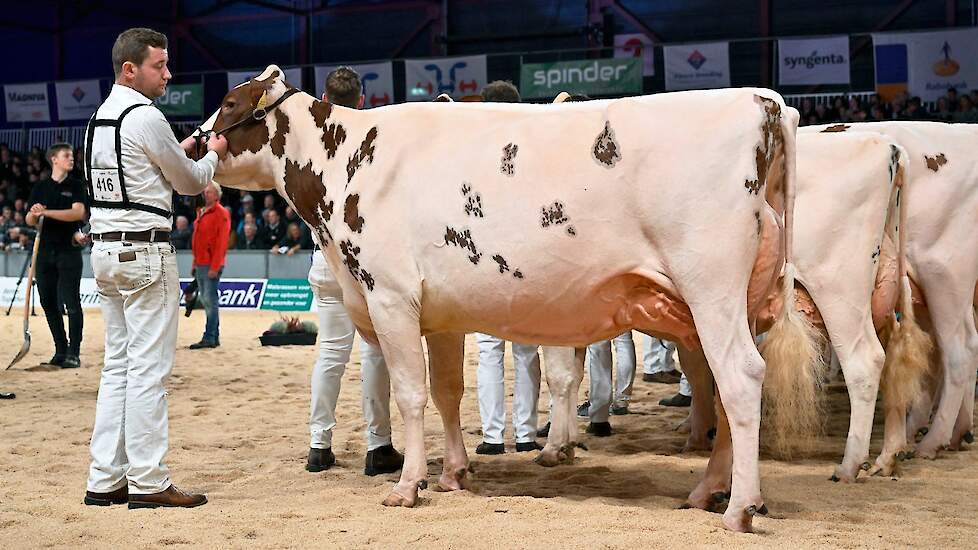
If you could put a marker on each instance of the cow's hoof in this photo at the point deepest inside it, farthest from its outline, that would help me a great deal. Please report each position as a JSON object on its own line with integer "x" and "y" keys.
{"x": 452, "y": 481}
{"x": 740, "y": 521}
{"x": 884, "y": 467}
{"x": 926, "y": 452}
{"x": 763, "y": 510}
{"x": 968, "y": 438}
{"x": 843, "y": 476}
{"x": 919, "y": 436}
{"x": 397, "y": 499}
{"x": 708, "y": 503}
{"x": 550, "y": 458}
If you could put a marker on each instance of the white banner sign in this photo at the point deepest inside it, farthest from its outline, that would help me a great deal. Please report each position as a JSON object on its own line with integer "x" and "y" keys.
{"x": 813, "y": 61}
{"x": 377, "y": 79}
{"x": 293, "y": 76}
{"x": 77, "y": 99}
{"x": 938, "y": 60}
{"x": 88, "y": 290}
{"x": 27, "y": 102}
{"x": 636, "y": 45}
{"x": 697, "y": 66}
{"x": 425, "y": 79}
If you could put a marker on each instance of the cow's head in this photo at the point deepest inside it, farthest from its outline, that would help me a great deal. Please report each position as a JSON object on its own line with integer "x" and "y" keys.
{"x": 247, "y": 118}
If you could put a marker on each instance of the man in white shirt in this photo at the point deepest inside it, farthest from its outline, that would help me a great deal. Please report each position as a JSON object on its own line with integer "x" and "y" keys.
{"x": 133, "y": 165}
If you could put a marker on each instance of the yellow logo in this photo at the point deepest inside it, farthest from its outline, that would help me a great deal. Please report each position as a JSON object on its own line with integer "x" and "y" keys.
{"x": 947, "y": 66}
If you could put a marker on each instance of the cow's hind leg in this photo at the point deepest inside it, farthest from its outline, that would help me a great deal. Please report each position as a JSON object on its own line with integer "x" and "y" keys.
{"x": 565, "y": 370}
{"x": 702, "y": 415}
{"x": 714, "y": 488}
{"x": 445, "y": 352}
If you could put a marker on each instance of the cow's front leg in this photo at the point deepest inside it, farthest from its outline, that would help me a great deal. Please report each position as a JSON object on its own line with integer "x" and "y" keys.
{"x": 565, "y": 370}
{"x": 445, "y": 352}
{"x": 702, "y": 416}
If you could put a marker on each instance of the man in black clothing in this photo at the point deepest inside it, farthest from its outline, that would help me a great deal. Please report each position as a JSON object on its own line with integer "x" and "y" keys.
{"x": 61, "y": 200}
{"x": 274, "y": 230}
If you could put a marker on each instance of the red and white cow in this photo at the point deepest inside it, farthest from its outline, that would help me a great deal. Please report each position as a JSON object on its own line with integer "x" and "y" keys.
{"x": 563, "y": 225}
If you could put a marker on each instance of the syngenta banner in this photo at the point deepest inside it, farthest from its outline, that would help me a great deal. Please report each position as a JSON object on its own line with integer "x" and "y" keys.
{"x": 813, "y": 61}
{"x": 594, "y": 77}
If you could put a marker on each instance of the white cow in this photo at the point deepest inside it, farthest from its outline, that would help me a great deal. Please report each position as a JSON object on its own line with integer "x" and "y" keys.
{"x": 556, "y": 224}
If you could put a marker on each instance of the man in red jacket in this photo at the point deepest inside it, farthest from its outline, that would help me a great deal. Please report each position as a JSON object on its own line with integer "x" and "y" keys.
{"x": 210, "y": 245}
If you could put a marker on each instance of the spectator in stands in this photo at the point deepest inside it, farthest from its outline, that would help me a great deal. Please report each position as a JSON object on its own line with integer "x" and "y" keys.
{"x": 294, "y": 241}
{"x": 967, "y": 111}
{"x": 943, "y": 112}
{"x": 274, "y": 230}
{"x": 807, "y": 109}
{"x": 20, "y": 206}
{"x": 247, "y": 204}
{"x": 876, "y": 113}
{"x": 182, "y": 233}
{"x": 952, "y": 100}
{"x": 974, "y": 98}
{"x": 269, "y": 205}
{"x": 210, "y": 245}
{"x": 250, "y": 239}
{"x": 6, "y": 224}
{"x": 249, "y": 217}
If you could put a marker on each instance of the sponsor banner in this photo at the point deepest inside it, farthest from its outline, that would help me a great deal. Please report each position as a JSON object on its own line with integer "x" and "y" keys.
{"x": 234, "y": 293}
{"x": 77, "y": 99}
{"x": 636, "y": 45}
{"x": 426, "y": 79}
{"x": 813, "y": 61}
{"x": 377, "y": 79}
{"x": 182, "y": 100}
{"x": 27, "y": 102}
{"x": 293, "y": 76}
{"x": 927, "y": 63}
{"x": 88, "y": 290}
{"x": 697, "y": 66}
{"x": 288, "y": 295}
{"x": 594, "y": 77}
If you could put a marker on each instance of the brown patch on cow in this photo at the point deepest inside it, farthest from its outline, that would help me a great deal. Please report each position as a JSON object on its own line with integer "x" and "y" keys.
{"x": 835, "y": 128}
{"x": 281, "y": 130}
{"x": 351, "y": 213}
{"x": 307, "y": 191}
{"x": 771, "y": 141}
{"x": 365, "y": 153}
{"x": 518, "y": 274}
{"x": 463, "y": 239}
{"x": 333, "y": 136}
{"x": 473, "y": 201}
{"x": 606, "y": 150}
{"x": 935, "y": 163}
{"x": 350, "y": 253}
{"x": 553, "y": 215}
{"x": 760, "y": 224}
{"x": 503, "y": 264}
{"x": 509, "y": 155}
{"x": 571, "y": 231}
{"x": 320, "y": 110}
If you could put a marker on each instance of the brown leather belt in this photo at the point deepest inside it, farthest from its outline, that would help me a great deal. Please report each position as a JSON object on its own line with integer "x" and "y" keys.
{"x": 149, "y": 236}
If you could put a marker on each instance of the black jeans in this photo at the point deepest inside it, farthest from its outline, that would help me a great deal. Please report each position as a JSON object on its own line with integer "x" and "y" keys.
{"x": 58, "y": 275}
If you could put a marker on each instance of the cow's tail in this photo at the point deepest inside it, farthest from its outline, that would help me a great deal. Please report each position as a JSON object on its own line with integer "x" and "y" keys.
{"x": 909, "y": 348}
{"x": 792, "y": 349}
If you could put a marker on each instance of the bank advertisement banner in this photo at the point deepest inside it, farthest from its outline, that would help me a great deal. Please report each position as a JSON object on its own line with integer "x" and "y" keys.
{"x": 293, "y": 76}
{"x": 27, "y": 102}
{"x": 182, "y": 100}
{"x": 426, "y": 79}
{"x": 593, "y": 77}
{"x": 697, "y": 66}
{"x": 926, "y": 64}
{"x": 77, "y": 99}
{"x": 377, "y": 80}
{"x": 813, "y": 61}
{"x": 638, "y": 46}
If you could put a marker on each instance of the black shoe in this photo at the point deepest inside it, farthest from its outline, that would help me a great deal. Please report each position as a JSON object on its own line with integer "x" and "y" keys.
{"x": 383, "y": 460}
{"x": 71, "y": 362}
{"x": 320, "y": 459}
{"x": 528, "y": 446}
{"x": 544, "y": 431}
{"x": 490, "y": 448}
{"x": 678, "y": 400}
{"x": 204, "y": 344}
{"x": 619, "y": 410}
{"x": 582, "y": 411}
{"x": 599, "y": 429}
{"x": 666, "y": 377}
{"x": 57, "y": 360}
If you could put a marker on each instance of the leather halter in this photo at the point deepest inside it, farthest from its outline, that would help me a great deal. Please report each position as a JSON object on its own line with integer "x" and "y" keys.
{"x": 257, "y": 115}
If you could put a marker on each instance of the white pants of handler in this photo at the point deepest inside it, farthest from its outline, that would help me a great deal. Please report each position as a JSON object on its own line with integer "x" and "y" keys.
{"x": 658, "y": 356}
{"x": 140, "y": 299}
{"x": 336, "y": 333}
{"x": 599, "y": 366}
{"x": 492, "y": 390}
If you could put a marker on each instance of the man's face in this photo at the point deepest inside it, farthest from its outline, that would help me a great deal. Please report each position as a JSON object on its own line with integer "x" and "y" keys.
{"x": 249, "y": 230}
{"x": 272, "y": 217}
{"x": 151, "y": 77}
{"x": 210, "y": 195}
{"x": 182, "y": 222}
{"x": 63, "y": 160}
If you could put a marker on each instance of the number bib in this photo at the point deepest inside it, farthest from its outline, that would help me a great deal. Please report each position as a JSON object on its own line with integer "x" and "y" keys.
{"x": 105, "y": 185}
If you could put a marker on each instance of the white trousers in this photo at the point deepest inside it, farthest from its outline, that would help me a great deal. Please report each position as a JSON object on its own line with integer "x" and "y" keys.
{"x": 599, "y": 366}
{"x": 658, "y": 355}
{"x": 139, "y": 289}
{"x": 336, "y": 333}
{"x": 684, "y": 388}
{"x": 492, "y": 391}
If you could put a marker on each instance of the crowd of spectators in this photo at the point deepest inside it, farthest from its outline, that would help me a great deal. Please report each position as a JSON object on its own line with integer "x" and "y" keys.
{"x": 951, "y": 107}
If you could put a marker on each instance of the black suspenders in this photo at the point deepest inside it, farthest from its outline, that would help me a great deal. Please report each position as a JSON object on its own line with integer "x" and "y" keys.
{"x": 89, "y": 140}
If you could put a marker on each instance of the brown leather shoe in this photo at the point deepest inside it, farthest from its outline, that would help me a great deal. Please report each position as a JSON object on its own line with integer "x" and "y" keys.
{"x": 170, "y": 498}
{"x": 119, "y": 496}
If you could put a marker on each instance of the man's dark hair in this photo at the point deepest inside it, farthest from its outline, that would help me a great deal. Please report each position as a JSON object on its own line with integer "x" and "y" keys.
{"x": 55, "y": 149}
{"x": 500, "y": 91}
{"x": 343, "y": 87}
{"x": 133, "y": 46}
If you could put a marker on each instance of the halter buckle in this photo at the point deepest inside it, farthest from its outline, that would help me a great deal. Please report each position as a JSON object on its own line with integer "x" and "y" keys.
{"x": 259, "y": 114}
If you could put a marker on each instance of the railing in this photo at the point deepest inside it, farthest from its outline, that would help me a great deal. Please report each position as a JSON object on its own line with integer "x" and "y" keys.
{"x": 42, "y": 138}
{"x": 14, "y": 138}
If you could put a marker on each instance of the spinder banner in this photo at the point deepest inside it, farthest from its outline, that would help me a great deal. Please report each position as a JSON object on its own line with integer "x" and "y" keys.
{"x": 813, "y": 61}
{"x": 293, "y": 76}
{"x": 636, "y": 45}
{"x": 77, "y": 99}
{"x": 27, "y": 102}
{"x": 182, "y": 100}
{"x": 594, "y": 77}
{"x": 697, "y": 66}
{"x": 426, "y": 79}
{"x": 926, "y": 63}
{"x": 377, "y": 79}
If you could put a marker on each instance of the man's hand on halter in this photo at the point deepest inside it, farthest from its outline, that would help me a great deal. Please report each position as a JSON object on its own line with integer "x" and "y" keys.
{"x": 218, "y": 144}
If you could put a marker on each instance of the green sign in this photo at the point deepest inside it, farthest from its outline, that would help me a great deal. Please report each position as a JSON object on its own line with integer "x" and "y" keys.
{"x": 594, "y": 77}
{"x": 182, "y": 100}
{"x": 287, "y": 295}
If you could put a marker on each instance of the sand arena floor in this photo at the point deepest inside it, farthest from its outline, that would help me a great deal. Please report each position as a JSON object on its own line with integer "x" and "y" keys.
{"x": 238, "y": 431}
